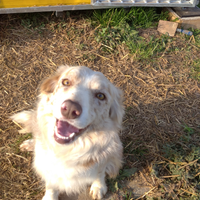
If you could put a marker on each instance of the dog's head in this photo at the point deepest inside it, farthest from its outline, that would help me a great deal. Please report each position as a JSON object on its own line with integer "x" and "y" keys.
{"x": 81, "y": 99}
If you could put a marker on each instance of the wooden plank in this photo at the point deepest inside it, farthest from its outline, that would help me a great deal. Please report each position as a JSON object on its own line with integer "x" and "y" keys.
{"x": 167, "y": 27}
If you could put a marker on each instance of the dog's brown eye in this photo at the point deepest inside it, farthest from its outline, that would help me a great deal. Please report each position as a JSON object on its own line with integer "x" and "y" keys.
{"x": 100, "y": 96}
{"x": 66, "y": 82}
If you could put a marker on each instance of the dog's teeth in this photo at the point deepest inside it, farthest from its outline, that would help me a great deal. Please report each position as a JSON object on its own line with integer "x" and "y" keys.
{"x": 56, "y": 132}
{"x": 72, "y": 135}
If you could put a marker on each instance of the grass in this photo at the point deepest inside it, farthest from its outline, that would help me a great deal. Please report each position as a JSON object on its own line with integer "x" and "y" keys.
{"x": 15, "y": 146}
{"x": 158, "y": 74}
{"x": 38, "y": 22}
{"x": 116, "y": 185}
{"x": 135, "y": 16}
{"x": 119, "y": 26}
{"x": 195, "y": 69}
{"x": 179, "y": 173}
{"x": 29, "y": 24}
{"x": 34, "y": 22}
{"x": 138, "y": 46}
{"x": 146, "y": 49}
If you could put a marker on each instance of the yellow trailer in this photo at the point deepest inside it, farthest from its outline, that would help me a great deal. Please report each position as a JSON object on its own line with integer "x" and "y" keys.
{"x": 38, "y": 3}
{"x": 22, "y": 6}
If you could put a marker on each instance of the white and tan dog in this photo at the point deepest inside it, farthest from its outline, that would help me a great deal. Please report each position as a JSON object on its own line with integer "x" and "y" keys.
{"x": 75, "y": 129}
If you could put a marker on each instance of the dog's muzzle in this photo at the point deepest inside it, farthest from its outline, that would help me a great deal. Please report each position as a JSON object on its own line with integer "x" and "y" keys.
{"x": 64, "y": 132}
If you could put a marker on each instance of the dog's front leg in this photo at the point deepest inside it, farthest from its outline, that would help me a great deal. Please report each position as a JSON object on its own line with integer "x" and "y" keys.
{"x": 99, "y": 188}
{"x": 28, "y": 145}
{"x": 50, "y": 194}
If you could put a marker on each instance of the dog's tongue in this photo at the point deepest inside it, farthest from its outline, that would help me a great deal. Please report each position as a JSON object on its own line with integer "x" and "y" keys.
{"x": 66, "y": 129}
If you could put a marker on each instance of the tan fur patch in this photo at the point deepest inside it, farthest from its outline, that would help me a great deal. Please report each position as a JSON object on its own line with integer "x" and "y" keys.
{"x": 89, "y": 163}
{"x": 49, "y": 84}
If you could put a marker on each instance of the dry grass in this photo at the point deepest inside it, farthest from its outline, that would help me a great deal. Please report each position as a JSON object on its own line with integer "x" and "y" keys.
{"x": 160, "y": 96}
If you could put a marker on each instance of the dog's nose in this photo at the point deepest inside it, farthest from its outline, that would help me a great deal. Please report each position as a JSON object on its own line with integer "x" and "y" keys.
{"x": 71, "y": 109}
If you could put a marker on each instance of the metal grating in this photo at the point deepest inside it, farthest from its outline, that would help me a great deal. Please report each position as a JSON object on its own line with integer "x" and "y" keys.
{"x": 148, "y": 3}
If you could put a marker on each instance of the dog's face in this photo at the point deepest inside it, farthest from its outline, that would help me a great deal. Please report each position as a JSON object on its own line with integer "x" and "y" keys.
{"x": 80, "y": 99}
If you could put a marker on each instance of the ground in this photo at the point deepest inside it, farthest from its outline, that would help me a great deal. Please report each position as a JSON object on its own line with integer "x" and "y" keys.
{"x": 161, "y": 97}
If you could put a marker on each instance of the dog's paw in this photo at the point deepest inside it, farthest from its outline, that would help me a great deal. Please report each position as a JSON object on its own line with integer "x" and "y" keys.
{"x": 97, "y": 191}
{"x": 27, "y": 145}
{"x": 50, "y": 195}
{"x": 46, "y": 197}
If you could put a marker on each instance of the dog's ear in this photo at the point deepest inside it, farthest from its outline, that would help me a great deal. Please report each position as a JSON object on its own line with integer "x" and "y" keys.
{"x": 49, "y": 85}
{"x": 117, "y": 110}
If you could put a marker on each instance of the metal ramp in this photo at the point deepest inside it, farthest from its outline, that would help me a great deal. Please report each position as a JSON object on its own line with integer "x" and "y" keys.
{"x": 147, "y": 3}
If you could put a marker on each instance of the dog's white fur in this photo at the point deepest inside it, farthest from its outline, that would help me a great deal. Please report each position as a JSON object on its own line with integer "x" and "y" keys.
{"x": 96, "y": 152}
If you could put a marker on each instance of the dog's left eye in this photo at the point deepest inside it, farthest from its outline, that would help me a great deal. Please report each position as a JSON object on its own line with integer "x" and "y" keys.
{"x": 100, "y": 96}
{"x": 66, "y": 82}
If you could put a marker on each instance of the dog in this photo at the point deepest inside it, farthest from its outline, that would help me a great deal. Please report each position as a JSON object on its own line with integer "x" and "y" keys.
{"x": 75, "y": 131}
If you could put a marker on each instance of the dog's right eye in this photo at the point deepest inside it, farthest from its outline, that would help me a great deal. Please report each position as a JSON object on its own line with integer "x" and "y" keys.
{"x": 100, "y": 96}
{"x": 66, "y": 82}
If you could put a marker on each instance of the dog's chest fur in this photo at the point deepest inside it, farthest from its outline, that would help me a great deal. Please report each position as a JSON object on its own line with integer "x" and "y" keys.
{"x": 66, "y": 174}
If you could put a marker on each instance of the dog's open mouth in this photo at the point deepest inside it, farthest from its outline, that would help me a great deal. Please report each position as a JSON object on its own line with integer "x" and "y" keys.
{"x": 65, "y": 133}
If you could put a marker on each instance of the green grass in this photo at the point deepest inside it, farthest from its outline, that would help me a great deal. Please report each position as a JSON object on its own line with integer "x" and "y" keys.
{"x": 118, "y": 26}
{"x": 146, "y": 49}
{"x": 128, "y": 196}
{"x": 34, "y": 21}
{"x": 37, "y": 22}
{"x": 136, "y": 17}
{"x": 114, "y": 184}
{"x": 180, "y": 172}
{"x": 139, "y": 46}
{"x": 110, "y": 17}
{"x": 196, "y": 34}
{"x": 195, "y": 69}
{"x": 20, "y": 138}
